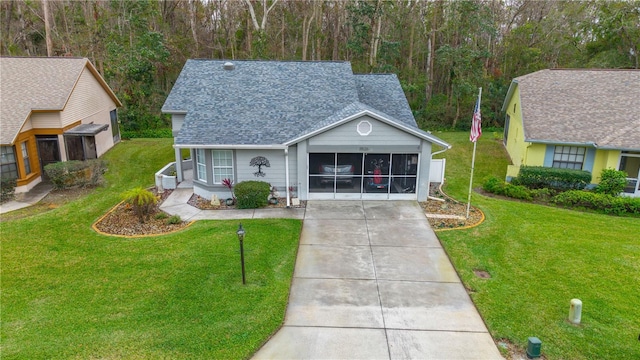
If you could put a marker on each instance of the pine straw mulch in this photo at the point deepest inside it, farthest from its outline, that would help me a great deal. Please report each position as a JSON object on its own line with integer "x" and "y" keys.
{"x": 122, "y": 221}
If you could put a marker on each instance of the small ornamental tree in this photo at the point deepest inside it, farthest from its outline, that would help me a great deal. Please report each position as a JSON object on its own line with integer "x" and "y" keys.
{"x": 143, "y": 202}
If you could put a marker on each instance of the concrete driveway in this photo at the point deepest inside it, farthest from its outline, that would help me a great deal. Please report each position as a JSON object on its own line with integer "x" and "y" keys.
{"x": 372, "y": 282}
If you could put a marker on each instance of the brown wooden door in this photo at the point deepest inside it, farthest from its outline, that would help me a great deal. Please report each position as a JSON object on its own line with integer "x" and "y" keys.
{"x": 48, "y": 151}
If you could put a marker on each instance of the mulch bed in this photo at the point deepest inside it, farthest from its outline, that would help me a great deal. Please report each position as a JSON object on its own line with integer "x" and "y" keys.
{"x": 204, "y": 204}
{"x": 122, "y": 221}
{"x": 451, "y": 207}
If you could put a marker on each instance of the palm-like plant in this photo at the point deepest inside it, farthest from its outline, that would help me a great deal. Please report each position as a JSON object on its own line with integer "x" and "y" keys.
{"x": 143, "y": 202}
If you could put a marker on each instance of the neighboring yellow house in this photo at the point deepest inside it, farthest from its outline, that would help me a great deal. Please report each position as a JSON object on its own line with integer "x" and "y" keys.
{"x": 52, "y": 109}
{"x": 577, "y": 119}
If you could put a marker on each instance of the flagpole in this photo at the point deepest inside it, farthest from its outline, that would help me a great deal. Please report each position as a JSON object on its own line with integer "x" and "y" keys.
{"x": 473, "y": 161}
{"x": 473, "y": 157}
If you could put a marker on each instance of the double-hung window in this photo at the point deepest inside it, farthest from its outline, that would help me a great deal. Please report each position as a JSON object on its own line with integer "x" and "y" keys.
{"x": 568, "y": 157}
{"x": 222, "y": 165}
{"x": 25, "y": 158}
{"x": 201, "y": 166}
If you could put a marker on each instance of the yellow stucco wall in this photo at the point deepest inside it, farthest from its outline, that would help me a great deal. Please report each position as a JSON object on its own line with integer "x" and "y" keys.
{"x": 604, "y": 159}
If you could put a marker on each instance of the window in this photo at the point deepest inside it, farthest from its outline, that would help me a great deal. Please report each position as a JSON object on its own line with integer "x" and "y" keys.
{"x": 8, "y": 165}
{"x": 222, "y": 165}
{"x": 201, "y": 167}
{"x": 568, "y": 157}
{"x": 81, "y": 147}
{"x": 25, "y": 157}
{"x": 507, "y": 120}
{"x": 115, "y": 129}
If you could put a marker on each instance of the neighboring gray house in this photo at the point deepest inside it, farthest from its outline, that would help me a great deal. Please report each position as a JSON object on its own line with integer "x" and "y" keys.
{"x": 312, "y": 126}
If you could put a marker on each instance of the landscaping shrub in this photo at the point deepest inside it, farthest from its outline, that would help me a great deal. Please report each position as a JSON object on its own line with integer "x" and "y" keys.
{"x": 161, "y": 216}
{"x": 499, "y": 187}
{"x": 538, "y": 177}
{"x": 617, "y": 205}
{"x": 612, "y": 182}
{"x": 252, "y": 194}
{"x": 542, "y": 194}
{"x": 143, "y": 202}
{"x": 174, "y": 220}
{"x": 7, "y": 189}
{"x": 75, "y": 173}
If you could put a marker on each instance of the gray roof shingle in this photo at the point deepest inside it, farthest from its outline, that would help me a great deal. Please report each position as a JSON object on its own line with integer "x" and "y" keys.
{"x": 383, "y": 92}
{"x": 582, "y": 106}
{"x": 257, "y": 103}
{"x": 33, "y": 84}
{"x": 273, "y": 102}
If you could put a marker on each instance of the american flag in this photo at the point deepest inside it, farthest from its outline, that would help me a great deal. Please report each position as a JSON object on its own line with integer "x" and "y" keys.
{"x": 476, "y": 123}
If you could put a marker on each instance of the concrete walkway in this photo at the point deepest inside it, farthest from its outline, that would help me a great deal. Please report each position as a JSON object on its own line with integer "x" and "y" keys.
{"x": 176, "y": 204}
{"x": 372, "y": 282}
{"x": 23, "y": 200}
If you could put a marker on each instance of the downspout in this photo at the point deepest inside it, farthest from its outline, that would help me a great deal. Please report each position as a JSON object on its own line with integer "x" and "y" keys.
{"x": 441, "y": 151}
{"x": 286, "y": 174}
{"x": 429, "y": 197}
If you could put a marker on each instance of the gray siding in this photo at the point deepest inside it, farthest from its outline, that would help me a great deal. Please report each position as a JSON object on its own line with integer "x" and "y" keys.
{"x": 382, "y": 135}
{"x": 176, "y": 123}
{"x": 275, "y": 174}
{"x": 423, "y": 171}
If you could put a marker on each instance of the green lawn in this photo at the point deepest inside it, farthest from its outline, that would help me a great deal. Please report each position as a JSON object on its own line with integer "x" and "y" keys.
{"x": 540, "y": 258}
{"x": 70, "y": 293}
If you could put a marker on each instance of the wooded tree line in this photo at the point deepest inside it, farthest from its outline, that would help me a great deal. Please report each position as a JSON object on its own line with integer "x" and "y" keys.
{"x": 442, "y": 51}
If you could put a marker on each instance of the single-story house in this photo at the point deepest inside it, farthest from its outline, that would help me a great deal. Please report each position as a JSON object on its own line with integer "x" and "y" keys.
{"x": 51, "y": 110}
{"x": 576, "y": 119}
{"x": 310, "y": 128}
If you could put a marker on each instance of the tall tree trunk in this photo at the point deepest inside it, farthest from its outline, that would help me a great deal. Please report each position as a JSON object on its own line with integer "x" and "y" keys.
{"x": 306, "y": 28}
{"x": 282, "y": 32}
{"x": 430, "y": 58}
{"x": 193, "y": 24}
{"x": 47, "y": 27}
{"x": 411, "y": 36}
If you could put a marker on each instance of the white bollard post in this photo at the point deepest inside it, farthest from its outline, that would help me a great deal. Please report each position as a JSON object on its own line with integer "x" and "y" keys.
{"x": 575, "y": 311}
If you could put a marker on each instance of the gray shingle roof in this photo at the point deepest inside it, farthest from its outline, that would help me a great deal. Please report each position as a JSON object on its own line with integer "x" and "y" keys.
{"x": 383, "y": 92}
{"x": 257, "y": 103}
{"x": 33, "y": 84}
{"x": 582, "y": 106}
{"x": 272, "y": 102}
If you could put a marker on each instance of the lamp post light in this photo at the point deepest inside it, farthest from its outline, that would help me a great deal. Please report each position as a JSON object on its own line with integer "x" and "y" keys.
{"x": 241, "y": 233}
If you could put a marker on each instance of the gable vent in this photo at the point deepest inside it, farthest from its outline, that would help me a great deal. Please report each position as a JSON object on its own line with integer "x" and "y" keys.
{"x": 228, "y": 66}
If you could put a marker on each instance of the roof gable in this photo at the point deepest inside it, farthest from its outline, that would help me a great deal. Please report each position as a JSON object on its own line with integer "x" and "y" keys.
{"x": 33, "y": 83}
{"x": 600, "y": 107}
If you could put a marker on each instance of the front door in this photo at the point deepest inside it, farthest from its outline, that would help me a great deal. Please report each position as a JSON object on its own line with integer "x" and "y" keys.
{"x": 48, "y": 151}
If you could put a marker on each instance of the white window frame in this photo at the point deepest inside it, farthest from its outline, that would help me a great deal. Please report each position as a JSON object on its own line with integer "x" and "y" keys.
{"x": 201, "y": 165}
{"x": 217, "y": 167}
{"x": 25, "y": 158}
